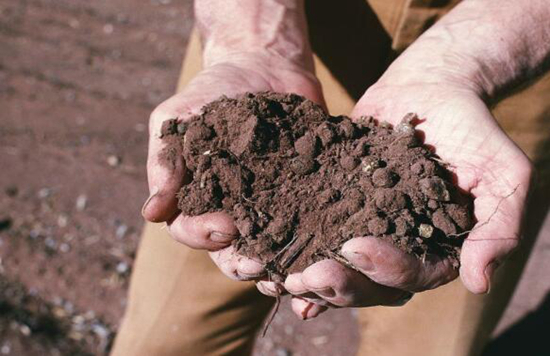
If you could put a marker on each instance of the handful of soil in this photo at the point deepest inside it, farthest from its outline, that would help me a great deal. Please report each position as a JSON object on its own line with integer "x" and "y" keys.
{"x": 299, "y": 182}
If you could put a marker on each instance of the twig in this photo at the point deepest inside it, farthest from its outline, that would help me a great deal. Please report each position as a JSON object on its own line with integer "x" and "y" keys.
{"x": 271, "y": 315}
{"x": 339, "y": 258}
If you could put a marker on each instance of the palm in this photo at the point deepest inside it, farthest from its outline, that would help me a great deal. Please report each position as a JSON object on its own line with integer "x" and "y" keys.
{"x": 486, "y": 163}
{"x": 213, "y": 231}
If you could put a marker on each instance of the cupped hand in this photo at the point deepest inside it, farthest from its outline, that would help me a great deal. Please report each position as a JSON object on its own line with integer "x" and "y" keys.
{"x": 237, "y": 73}
{"x": 457, "y": 123}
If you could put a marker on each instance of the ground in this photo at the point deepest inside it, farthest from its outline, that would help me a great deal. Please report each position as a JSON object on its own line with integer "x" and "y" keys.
{"x": 78, "y": 80}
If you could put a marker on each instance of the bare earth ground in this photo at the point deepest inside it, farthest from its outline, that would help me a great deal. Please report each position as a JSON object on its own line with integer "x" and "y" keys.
{"x": 78, "y": 80}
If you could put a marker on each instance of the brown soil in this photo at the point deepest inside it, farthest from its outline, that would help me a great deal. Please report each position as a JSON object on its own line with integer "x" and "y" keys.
{"x": 299, "y": 183}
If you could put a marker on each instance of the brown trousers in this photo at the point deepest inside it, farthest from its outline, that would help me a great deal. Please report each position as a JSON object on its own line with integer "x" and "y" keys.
{"x": 180, "y": 304}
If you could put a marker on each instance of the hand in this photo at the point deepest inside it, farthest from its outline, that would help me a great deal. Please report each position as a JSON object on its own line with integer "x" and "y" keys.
{"x": 458, "y": 124}
{"x": 238, "y": 73}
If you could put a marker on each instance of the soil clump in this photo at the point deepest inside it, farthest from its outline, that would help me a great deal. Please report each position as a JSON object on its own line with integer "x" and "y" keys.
{"x": 299, "y": 182}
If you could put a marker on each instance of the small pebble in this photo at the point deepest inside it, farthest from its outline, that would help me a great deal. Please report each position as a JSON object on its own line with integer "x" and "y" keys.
{"x": 121, "y": 231}
{"x": 64, "y": 247}
{"x": 6, "y": 349}
{"x": 50, "y": 243}
{"x": 281, "y": 351}
{"x": 113, "y": 161}
{"x": 369, "y": 164}
{"x": 44, "y": 193}
{"x": 25, "y": 330}
{"x": 319, "y": 340}
{"x": 425, "y": 230}
{"x": 122, "y": 267}
{"x": 62, "y": 220}
{"x": 81, "y": 202}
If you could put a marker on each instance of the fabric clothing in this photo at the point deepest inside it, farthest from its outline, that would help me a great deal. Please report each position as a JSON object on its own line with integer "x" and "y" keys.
{"x": 181, "y": 304}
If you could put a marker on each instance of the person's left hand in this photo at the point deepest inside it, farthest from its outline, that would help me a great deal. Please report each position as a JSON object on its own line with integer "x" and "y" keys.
{"x": 458, "y": 124}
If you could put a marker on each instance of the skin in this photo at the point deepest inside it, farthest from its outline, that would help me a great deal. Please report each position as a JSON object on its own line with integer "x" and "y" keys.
{"x": 448, "y": 77}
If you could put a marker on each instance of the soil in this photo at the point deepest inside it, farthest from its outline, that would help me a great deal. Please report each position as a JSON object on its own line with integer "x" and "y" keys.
{"x": 299, "y": 183}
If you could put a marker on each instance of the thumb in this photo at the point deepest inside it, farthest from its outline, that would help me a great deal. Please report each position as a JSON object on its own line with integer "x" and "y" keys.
{"x": 166, "y": 171}
{"x": 493, "y": 239}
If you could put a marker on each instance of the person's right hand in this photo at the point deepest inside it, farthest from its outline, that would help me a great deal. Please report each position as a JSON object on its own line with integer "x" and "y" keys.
{"x": 236, "y": 74}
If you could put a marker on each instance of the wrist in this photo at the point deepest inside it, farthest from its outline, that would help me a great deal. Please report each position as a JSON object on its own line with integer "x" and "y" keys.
{"x": 481, "y": 46}
{"x": 271, "y": 29}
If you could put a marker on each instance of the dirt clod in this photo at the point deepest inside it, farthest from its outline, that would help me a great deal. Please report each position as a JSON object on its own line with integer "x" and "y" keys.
{"x": 299, "y": 183}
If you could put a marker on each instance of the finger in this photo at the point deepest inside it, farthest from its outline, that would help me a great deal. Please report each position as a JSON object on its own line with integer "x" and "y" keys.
{"x": 270, "y": 288}
{"x": 294, "y": 285}
{"x": 492, "y": 240}
{"x": 165, "y": 176}
{"x": 306, "y": 310}
{"x": 209, "y": 231}
{"x": 344, "y": 287}
{"x": 385, "y": 264}
{"x": 235, "y": 266}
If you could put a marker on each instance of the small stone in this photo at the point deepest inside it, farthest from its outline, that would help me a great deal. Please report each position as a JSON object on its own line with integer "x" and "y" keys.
{"x": 64, "y": 247}
{"x": 425, "y": 230}
{"x": 25, "y": 330}
{"x": 81, "y": 202}
{"x": 44, "y": 193}
{"x": 113, "y": 160}
{"x": 406, "y": 127}
{"x": 319, "y": 340}
{"x": 62, "y": 220}
{"x": 281, "y": 351}
{"x": 101, "y": 331}
{"x": 5, "y": 349}
{"x": 121, "y": 231}
{"x": 369, "y": 164}
{"x": 108, "y": 29}
{"x": 50, "y": 243}
{"x": 122, "y": 267}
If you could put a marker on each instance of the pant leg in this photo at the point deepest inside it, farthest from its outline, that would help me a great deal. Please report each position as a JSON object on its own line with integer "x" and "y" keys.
{"x": 179, "y": 301}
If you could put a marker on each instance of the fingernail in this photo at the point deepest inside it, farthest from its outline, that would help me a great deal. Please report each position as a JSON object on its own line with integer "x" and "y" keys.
{"x": 326, "y": 292}
{"x": 489, "y": 272}
{"x": 359, "y": 260}
{"x": 217, "y": 236}
{"x": 154, "y": 192}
